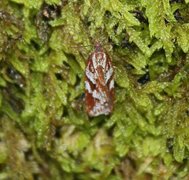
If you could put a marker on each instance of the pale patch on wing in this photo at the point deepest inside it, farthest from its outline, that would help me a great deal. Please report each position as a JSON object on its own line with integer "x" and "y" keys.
{"x": 94, "y": 61}
{"x": 88, "y": 87}
{"x": 90, "y": 75}
{"x": 104, "y": 61}
{"x": 111, "y": 86}
{"x": 100, "y": 95}
{"x": 108, "y": 74}
{"x": 99, "y": 109}
{"x": 101, "y": 106}
{"x": 96, "y": 95}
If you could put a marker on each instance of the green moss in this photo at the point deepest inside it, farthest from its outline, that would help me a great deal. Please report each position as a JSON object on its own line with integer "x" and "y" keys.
{"x": 44, "y": 130}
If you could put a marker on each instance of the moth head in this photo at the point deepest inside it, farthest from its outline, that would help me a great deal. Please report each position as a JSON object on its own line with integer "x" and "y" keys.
{"x": 98, "y": 47}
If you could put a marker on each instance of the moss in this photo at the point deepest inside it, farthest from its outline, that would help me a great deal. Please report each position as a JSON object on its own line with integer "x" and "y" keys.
{"x": 44, "y": 130}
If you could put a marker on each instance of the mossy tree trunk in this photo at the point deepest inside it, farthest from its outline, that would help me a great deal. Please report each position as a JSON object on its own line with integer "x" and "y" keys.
{"x": 45, "y": 132}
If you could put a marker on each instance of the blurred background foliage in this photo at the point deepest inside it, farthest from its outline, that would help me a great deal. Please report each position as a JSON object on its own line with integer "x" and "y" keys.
{"x": 44, "y": 130}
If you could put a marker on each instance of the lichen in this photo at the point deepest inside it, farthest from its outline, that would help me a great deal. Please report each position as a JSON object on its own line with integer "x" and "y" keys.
{"x": 45, "y": 132}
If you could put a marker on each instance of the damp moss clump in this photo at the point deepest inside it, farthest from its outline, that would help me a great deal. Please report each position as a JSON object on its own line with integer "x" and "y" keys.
{"x": 44, "y": 130}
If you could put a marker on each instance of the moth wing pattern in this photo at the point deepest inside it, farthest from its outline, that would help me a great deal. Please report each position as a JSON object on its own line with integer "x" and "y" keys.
{"x": 99, "y": 83}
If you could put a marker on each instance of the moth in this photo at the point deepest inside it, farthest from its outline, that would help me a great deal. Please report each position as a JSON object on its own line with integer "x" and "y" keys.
{"x": 99, "y": 83}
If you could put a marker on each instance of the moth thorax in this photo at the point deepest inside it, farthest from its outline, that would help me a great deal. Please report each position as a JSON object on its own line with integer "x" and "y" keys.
{"x": 100, "y": 59}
